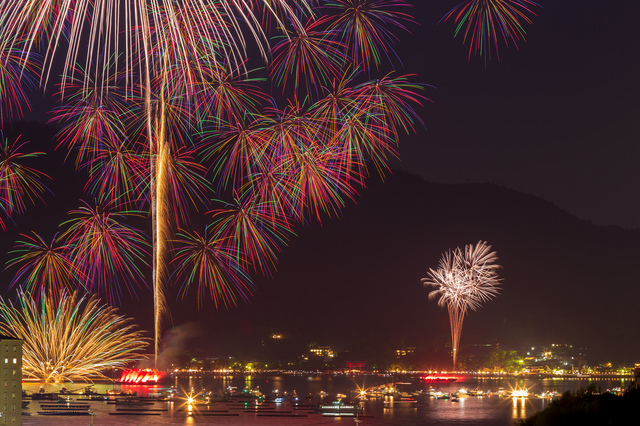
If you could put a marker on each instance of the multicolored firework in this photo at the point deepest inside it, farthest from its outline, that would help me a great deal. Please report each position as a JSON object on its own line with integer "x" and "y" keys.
{"x": 231, "y": 95}
{"x": 44, "y": 268}
{"x": 16, "y": 75}
{"x": 485, "y": 22}
{"x": 106, "y": 251}
{"x": 364, "y": 26}
{"x": 70, "y": 338}
{"x": 254, "y": 233}
{"x": 463, "y": 281}
{"x": 310, "y": 56}
{"x": 209, "y": 263}
{"x": 19, "y": 183}
{"x": 93, "y": 112}
{"x": 151, "y": 121}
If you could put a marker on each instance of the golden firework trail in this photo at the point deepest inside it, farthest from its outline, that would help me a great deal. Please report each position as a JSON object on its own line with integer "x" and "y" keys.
{"x": 70, "y": 338}
{"x": 160, "y": 224}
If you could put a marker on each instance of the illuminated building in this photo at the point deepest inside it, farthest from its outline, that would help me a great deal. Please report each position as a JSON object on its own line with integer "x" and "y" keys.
{"x": 322, "y": 351}
{"x": 408, "y": 351}
{"x": 11, "y": 374}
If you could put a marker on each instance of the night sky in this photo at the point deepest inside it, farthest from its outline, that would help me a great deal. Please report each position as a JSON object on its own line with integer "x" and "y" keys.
{"x": 556, "y": 118}
{"x": 553, "y": 126}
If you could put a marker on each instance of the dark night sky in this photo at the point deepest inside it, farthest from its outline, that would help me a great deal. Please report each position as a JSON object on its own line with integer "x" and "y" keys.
{"x": 556, "y": 119}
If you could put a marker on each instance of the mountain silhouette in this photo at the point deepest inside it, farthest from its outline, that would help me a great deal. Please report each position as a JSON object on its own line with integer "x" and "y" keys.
{"x": 354, "y": 281}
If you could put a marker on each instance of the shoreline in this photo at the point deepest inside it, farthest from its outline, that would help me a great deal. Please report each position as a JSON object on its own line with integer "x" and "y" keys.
{"x": 423, "y": 375}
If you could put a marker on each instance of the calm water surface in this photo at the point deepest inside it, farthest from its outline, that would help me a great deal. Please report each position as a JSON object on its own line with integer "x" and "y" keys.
{"x": 483, "y": 411}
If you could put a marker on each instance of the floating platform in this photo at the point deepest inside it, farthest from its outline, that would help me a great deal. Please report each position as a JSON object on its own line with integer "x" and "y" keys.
{"x": 64, "y": 413}
{"x": 134, "y": 413}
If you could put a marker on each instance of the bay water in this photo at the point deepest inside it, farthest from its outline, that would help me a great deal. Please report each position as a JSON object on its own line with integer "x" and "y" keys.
{"x": 310, "y": 389}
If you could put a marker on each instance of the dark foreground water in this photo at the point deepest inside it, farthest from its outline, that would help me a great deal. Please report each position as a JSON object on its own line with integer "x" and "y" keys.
{"x": 477, "y": 411}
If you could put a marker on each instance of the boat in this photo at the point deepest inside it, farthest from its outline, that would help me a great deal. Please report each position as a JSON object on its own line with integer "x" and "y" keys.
{"x": 461, "y": 393}
{"x": 339, "y": 408}
{"x": 400, "y": 398}
{"x": 502, "y": 393}
{"x": 42, "y": 395}
{"x": 549, "y": 394}
{"x": 93, "y": 398}
{"x": 520, "y": 393}
{"x": 217, "y": 397}
{"x": 132, "y": 401}
{"x": 115, "y": 392}
{"x": 248, "y": 393}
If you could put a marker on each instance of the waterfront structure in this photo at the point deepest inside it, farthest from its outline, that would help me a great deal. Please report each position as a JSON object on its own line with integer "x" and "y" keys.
{"x": 353, "y": 367}
{"x": 407, "y": 351}
{"x": 558, "y": 358}
{"x": 11, "y": 376}
{"x": 322, "y": 351}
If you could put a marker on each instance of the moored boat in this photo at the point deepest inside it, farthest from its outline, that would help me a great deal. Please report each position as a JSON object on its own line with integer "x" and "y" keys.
{"x": 400, "y": 399}
{"x": 338, "y": 408}
{"x": 520, "y": 393}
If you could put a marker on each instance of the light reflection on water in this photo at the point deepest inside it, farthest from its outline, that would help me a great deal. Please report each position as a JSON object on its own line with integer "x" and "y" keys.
{"x": 485, "y": 411}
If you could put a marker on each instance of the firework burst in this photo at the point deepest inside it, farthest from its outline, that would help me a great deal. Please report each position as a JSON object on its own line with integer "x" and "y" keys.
{"x": 16, "y": 75}
{"x": 209, "y": 262}
{"x": 93, "y": 113}
{"x": 44, "y": 268}
{"x": 70, "y": 338}
{"x": 19, "y": 184}
{"x": 485, "y": 22}
{"x": 107, "y": 251}
{"x": 255, "y": 233}
{"x": 464, "y": 280}
{"x": 159, "y": 93}
{"x": 364, "y": 27}
{"x": 310, "y": 56}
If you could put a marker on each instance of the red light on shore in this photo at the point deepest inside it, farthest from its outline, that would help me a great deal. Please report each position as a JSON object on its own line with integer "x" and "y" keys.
{"x": 138, "y": 376}
{"x": 441, "y": 378}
